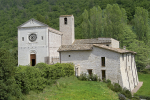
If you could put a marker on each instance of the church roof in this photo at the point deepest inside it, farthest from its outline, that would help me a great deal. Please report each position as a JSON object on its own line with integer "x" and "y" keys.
{"x": 31, "y": 20}
{"x": 75, "y": 47}
{"x": 118, "y": 50}
{"x": 79, "y": 47}
{"x": 91, "y": 41}
{"x": 43, "y": 25}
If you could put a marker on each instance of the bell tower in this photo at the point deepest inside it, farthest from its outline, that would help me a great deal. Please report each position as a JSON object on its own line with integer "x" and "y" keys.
{"x": 66, "y": 26}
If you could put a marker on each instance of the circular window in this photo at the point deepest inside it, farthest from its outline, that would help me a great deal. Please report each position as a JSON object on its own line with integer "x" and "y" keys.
{"x": 32, "y": 37}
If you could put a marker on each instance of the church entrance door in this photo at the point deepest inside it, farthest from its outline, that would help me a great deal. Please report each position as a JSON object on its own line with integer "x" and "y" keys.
{"x": 32, "y": 59}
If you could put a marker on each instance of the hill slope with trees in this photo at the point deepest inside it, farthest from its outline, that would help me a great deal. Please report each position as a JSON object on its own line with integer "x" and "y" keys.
{"x": 124, "y": 20}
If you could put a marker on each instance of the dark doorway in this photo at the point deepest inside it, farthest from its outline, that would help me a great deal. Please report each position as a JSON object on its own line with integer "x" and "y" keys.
{"x": 90, "y": 71}
{"x": 103, "y": 75}
{"x": 32, "y": 59}
{"x": 103, "y": 61}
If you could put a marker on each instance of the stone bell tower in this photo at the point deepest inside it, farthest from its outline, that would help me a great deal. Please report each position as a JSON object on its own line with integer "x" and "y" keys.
{"x": 66, "y": 26}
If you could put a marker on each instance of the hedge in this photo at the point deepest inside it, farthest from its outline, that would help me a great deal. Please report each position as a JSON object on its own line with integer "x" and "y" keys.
{"x": 36, "y": 78}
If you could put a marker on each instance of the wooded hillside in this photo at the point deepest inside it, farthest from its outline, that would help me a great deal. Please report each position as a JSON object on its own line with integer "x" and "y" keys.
{"x": 124, "y": 20}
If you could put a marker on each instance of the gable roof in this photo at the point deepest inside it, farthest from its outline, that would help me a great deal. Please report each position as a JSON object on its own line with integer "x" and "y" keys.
{"x": 33, "y": 20}
{"x": 91, "y": 41}
{"x": 85, "y": 47}
{"x": 118, "y": 50}
{"x": 50, "y": 29}
{"x": 75, "y": 47}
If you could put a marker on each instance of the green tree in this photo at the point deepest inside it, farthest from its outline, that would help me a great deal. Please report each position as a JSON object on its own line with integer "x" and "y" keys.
{"x": 115, "y": 20}
{"x": 141, "y": 24}
{"x": 85, "y": 24}
{"x": 142, "y": 55}
{"x": 96, "y": 22}
{"x": 9, "y": 90}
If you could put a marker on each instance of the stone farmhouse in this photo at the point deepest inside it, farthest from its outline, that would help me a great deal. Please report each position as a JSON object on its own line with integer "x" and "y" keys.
{"x": 37, "y": 42}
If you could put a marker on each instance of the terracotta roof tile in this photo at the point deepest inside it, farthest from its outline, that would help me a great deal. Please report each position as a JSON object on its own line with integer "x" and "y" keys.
{"x": 114, "y": 49}
{"x": 75, "y": 47}
{"x": 91, "y": 41}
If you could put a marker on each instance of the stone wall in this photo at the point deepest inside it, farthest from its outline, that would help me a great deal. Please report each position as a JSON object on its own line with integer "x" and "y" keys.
{"x": 92, "y": 60}
{"x": 67, "y": 30}
{"x": 115, "y": 65}
{"x": 54, "y": 44}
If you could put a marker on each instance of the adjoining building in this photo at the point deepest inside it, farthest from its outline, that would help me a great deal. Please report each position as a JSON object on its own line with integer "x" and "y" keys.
{"x": 37, "y": 42}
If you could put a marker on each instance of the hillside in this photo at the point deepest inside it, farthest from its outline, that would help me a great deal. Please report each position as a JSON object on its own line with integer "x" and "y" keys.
{"x": 15, "y": 12}
{"x": 70, "y": 88}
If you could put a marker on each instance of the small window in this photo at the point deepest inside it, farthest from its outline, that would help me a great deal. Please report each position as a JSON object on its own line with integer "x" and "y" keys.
{"x": 103, "y": 61}
{"x": 123, "y": 57}
{"x": 107, "y": 45}
{"x": 42, "y": 37}
{"x": 69, "y": 55}
{"x": 65, "y": 20}
{"x": 22, "y": 38}
{"x": 90, "y": 71}
{"x": 128, "y": 58}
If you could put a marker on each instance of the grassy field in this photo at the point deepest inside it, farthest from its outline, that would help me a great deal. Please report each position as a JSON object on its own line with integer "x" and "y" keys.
{"x": 70, "y": 88}
{"x": 145, "y": 89}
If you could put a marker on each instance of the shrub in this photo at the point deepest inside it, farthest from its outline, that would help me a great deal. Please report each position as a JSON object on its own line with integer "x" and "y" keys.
{"x": 42, "y": 67}
{"x": 108, "y": 81}
{"x": 30, "y": 78}
{"x": 9, "y": 90}
{"x": 121, "y": 96}
{"x": 127, "y": 93}
{"x": 145, "y": 71}
{"x": 110, "y": 86}
{"x": 145, "y": 97}
{"x": 117, "y": 87}
{"x": 83, "y": 77}
{"x": 94, "y": 77}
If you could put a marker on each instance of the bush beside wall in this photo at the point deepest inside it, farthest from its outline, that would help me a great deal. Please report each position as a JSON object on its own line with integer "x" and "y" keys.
{"x": 37, "y": 77}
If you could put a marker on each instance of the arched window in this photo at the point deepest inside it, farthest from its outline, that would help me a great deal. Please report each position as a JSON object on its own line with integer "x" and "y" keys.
{"x": 65, "y": 20}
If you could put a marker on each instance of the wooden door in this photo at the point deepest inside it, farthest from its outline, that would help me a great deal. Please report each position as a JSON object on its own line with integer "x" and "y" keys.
{"x": 103, "y": 75}
{"x": 32, "y": 59}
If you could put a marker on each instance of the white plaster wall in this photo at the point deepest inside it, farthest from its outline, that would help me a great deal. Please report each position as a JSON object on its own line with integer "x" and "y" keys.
{"x": 54, "y": 44}
{"x": 92, "y": 60}
{"x": 39, "y": 46}
{"x": 114, "y": 43}
{"x": 67, "y": 30}
{"x": 128, "y": 71}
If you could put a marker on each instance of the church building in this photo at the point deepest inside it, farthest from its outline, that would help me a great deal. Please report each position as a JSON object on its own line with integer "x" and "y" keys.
{"x": 37, "y": 42}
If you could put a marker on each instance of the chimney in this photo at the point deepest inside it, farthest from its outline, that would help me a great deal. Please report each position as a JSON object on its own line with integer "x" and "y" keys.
{"x": 124, "y": 47}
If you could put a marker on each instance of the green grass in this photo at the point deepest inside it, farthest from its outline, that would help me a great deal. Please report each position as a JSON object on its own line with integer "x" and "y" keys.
{"x": 70, "y": 88}
{"x": 145, "y": 89}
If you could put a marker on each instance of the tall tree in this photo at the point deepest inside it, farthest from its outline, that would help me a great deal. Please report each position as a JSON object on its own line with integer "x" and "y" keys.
{"x": 141, "y": 24}
{"x": 115, "y": 20}
{"x": 96, "y": 22}
{"x": 85, "y": 24}
{"x": 9, "y": 90}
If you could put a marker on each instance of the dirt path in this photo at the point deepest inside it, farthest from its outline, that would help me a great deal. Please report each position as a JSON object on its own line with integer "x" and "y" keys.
{"x": 137, "y": 88}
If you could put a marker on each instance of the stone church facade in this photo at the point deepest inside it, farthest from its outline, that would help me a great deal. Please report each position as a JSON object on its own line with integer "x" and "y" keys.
{"x": 37, "y": 42}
